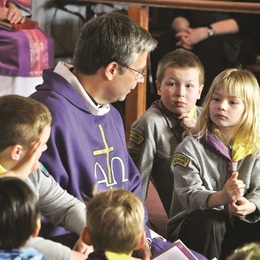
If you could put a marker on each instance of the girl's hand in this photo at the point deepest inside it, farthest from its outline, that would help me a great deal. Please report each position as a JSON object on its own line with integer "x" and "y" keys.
{"x": 14, "y": 14}
{"x": 233, "y": 190}
{"x": 241, "y": 207}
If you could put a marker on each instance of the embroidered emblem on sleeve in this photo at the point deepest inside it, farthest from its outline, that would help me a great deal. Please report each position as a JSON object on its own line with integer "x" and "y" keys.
{"x": 136, "y": 138}
{"x": 134, "y": 153}
{"x": 180, "y": 159}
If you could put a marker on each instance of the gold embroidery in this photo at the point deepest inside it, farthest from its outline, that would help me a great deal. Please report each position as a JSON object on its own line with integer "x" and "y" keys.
{"x": 180, "y": 159}
{"x": 105, "y": 151}
{"x": 136, "y": 137}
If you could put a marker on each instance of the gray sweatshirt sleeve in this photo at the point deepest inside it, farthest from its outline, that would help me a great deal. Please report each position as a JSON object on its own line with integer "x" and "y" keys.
{"x": 142, "y": 151}
{"x": 56, "y": 204}
{"x": 51, "y": 250}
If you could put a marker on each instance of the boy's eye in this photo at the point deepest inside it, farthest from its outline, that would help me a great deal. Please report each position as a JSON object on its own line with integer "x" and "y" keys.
{"x": 173, "y": 84}
{"x": 188, "y": 86}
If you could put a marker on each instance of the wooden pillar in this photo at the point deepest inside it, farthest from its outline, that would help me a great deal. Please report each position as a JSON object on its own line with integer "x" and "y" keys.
{"x": 135, "y": 104}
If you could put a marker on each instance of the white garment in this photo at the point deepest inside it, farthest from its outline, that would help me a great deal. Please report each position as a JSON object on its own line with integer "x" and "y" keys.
{"x": 23, "y": 86}
{"x": 63, "y": 69}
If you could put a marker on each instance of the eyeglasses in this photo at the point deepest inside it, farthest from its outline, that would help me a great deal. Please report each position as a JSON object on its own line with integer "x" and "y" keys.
{"x": 140, "y": 73}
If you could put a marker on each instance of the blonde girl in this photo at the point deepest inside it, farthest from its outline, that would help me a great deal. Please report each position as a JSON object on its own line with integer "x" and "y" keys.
{"x": 216, "y": 200}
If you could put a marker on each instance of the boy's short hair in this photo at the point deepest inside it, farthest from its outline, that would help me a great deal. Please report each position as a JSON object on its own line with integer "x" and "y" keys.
{"x": 19, "y": 213}
{"x": 22, "y": 120}
{"x": 115, "y": 220}
{"x": 182, "y": 59}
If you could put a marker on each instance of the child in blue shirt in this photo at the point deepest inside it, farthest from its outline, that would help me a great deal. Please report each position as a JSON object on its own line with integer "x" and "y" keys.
{"x": 19, "y": 219}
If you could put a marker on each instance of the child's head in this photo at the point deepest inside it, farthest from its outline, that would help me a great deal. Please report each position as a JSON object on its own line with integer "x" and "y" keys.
{"x": 237, "y": 86}
{"x": 23, "y": 121}
{"x": 180, "y": 79}
{"x": 115, "y": 221}
{"x": 249, "y": 251}
{"x": 19, "y": 218}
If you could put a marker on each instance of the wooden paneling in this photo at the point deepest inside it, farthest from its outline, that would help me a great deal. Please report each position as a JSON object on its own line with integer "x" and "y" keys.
{"x": 190, "y": 4}
{"x": 136, "y": 100}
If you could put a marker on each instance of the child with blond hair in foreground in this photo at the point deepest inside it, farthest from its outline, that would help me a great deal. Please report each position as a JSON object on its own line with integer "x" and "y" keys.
{"x": 115, "y": 225}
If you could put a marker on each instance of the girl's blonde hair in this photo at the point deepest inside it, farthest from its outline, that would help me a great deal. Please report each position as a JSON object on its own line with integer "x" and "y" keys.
{"x": 242, "y": 84}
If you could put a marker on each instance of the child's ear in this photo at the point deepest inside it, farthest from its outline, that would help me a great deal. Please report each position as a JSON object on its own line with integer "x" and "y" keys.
{"x": 85, "y": 236}
{"x": 141, "y": 242}
{"x": 37, "y": 228}
{"x": 158, "y": 86}
{"x": 200, "y": 91}
{"x": 16, "y": 151}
